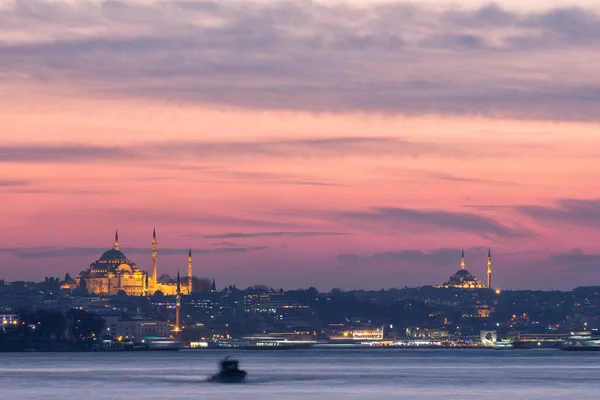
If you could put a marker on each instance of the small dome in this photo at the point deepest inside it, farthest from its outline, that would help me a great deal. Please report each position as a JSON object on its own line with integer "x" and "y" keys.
{"x": 462, "y": 273}
{"x": 113, "y": 254}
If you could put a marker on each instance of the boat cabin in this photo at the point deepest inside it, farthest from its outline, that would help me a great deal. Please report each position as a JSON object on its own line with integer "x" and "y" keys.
{"x": 229, "y": 365}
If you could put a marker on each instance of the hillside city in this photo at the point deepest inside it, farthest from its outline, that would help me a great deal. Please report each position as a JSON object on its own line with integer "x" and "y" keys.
{"x": 42, "y": 315}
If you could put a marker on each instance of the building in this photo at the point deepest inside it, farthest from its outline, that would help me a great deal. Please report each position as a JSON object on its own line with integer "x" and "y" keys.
{"x": 113, "y": 272}
{"x": 463, "y": 279}
{"x": 426, "y": 333}
{"x": 136, "y": 328}
{"x": 8, "y": 320}
{"x": 364, "y": 333}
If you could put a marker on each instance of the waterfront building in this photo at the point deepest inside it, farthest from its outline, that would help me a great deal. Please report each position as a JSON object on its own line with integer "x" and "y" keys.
{"x": 488, "y": 338}
{"x": 414, "y": 332}
{"x": 463, "y": 279}
{"x": 365, "y": 333}
{"x": 135, "y": 328}
{"x": 8, "y": 320}
{"x": 114, "y": 272}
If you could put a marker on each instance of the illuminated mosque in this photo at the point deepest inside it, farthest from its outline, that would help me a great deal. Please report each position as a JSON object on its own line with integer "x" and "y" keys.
{"x": 463, "y": 279}
{"x": 114, "y": 272}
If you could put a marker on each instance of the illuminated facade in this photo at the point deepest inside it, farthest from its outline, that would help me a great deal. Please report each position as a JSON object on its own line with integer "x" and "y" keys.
{"x": 8, "y": 320}
{"x": 488, "y": 338}
{"x": 137, "y": 328}
{"x": 425, "y": 333}
{"x": 463, "y": 279}
{"x": 360, "y": 334}
{"x": 114, "y": 272}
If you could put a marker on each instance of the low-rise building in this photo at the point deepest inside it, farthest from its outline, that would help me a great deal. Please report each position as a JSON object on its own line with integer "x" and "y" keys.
{"x": 136, "y": 328}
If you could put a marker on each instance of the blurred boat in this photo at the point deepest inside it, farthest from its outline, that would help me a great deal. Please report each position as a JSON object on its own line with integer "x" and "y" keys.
{"x": 582, "y": 341}
{"x": 229, "y": 373}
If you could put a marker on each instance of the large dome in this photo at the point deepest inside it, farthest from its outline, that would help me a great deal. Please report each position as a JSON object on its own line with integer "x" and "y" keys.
{"x": 113, "y": 254}
{"x": 463, "y": 273}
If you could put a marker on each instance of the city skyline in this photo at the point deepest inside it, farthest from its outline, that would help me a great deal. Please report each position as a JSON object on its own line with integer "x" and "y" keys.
{"x": 304, "y": 144}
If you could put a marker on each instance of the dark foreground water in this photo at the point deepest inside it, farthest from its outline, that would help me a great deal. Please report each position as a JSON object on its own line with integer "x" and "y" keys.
{"x": 304, "y": 374}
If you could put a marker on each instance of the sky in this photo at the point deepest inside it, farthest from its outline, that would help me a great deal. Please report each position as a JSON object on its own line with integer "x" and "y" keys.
{"x": 357, "y": 144}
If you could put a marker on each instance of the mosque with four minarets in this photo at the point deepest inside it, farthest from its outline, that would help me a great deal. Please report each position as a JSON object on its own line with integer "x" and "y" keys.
{"x": 113, "y": 272}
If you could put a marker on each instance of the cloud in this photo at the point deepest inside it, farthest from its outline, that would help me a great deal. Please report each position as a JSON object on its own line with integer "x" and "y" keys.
{"x": 400, "y": 218}
{"x": 311, "y": 148}
{"x": 11, "y": 183}
{"x": 266, "y": 178}
{"x": 95, "y": 252}
{"x": 196, "y": 218}
{"x": 226, "y": 244}
{"x": 485, "y": 207}
{"x": 240, "y": 235}
{"x": 57, "y": 153}
{"x": 436, "y": 257}
{"x": 567, "y": 211}
{"x": 393, "y": 58}
{"x": 577, "y": 260}
{"x": 439, "y": 176}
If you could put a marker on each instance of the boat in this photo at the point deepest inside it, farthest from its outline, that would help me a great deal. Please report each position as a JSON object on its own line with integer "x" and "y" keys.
{"x": 229, "y": 373}
{"x": 503, "y": 345}
{"x": 160, "y": 343}
{"x": 582, "y": 341}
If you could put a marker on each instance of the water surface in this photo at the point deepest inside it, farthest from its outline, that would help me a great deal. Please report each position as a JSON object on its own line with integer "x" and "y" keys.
{"x": 305, "y": 374}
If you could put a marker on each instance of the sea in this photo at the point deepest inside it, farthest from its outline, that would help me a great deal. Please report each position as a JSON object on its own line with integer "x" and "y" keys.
{"x": 304, "y": 374}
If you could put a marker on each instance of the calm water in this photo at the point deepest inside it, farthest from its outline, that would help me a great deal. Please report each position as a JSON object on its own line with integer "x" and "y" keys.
{"x": 305, "y": 374}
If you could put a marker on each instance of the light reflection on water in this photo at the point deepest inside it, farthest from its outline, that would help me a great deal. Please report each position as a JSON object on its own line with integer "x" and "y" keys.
{"x": 305, "y": 374}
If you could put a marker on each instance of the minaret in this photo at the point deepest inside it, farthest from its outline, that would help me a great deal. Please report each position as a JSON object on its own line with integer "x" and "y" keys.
{"x": 189, "y": 284}
{"x": 116, "y": 244}
{"x": 147, "y": 287}
{"x": 178, "y": 304}
{"x": 462, "y": 260}
{"x": 154, "y": 272}
{"x": 489, "y": 271}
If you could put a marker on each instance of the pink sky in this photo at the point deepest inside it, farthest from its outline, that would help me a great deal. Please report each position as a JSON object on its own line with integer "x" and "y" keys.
{"x": 296, "y": 151}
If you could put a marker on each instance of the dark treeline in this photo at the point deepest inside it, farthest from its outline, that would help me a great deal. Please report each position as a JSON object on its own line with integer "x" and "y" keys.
{"x": 40, "y": 328}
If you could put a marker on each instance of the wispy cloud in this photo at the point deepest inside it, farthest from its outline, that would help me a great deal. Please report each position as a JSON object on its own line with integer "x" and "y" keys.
{"x": 273, "y": 178}
{"x": 14, "y": 183}
{"x": 225, "y": 244}
{"x": 567, "y": 211}
{"x": 400, "y": 218}
{"x": 95, "y": 252}
{"x": 240, "y": 235}
{"x": 439, "y": 176}
{"x": 437, "y": 257}
{"x": 396, "y": 57}
{"x": 155, "y": 153}
{"x": 301, "y": 148}
{"x": 576, "y": 260}
{"x": 485, "y": 207}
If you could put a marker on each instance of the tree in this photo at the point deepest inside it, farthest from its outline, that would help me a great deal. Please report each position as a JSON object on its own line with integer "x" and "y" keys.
{"x": 84, "y": 325}
{"x": 201, "y": 285}
{"x": 43, "y": 325}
